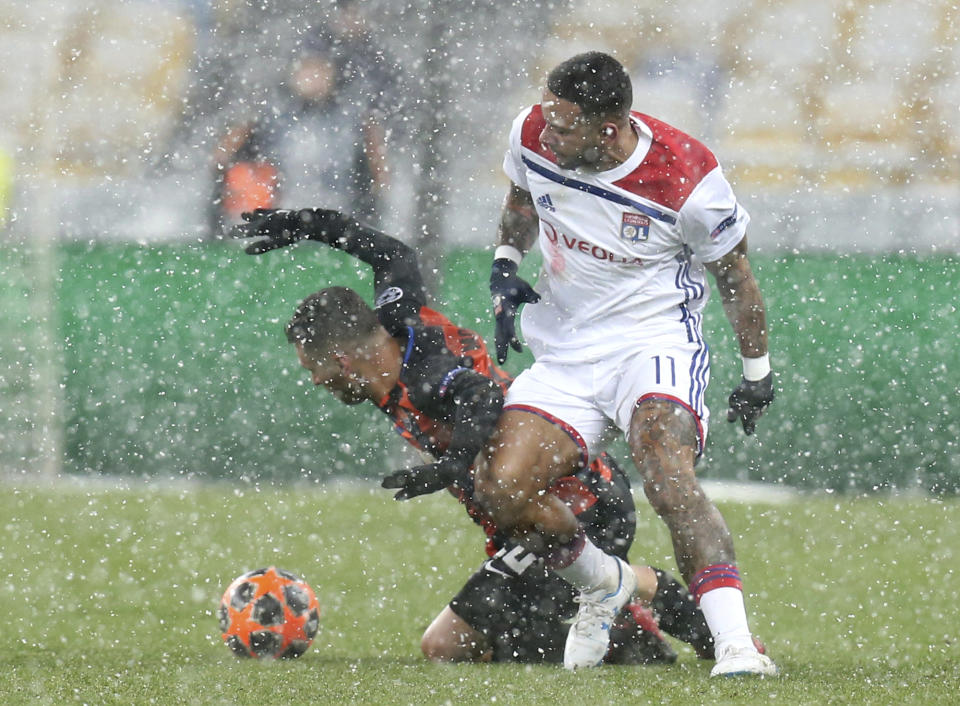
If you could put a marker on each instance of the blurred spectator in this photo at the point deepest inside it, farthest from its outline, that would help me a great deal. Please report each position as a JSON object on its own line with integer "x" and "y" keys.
{"x": 320, "y": 136}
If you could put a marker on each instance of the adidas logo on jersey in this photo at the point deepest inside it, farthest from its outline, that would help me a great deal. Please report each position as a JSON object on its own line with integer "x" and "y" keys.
{"x": 546, "y": 202}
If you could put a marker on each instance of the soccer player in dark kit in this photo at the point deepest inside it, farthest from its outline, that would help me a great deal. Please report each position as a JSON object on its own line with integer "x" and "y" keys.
{"x": 437, "y": 383}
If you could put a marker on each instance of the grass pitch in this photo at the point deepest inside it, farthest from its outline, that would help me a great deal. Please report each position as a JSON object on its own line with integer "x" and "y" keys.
{"x": 109, "y": 597}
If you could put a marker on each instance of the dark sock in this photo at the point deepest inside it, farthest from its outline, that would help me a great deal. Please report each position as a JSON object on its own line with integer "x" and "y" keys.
{"x": 679, "y": 616}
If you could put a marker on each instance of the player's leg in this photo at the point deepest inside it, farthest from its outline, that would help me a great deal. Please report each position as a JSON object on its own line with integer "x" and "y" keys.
{"x": 660, "y": 603}
{"x": 636, "y": 638}
{"x": 539, "y": 609}
{"x": 658, "y": 399}
{"x": 611, "y": 523}
{"x": 679, "y": 616}
{"x": 509, "y": 610}
{"x": 450, "y": 638}
{"x": 532, "y": 449}
{"x": 663, "y": 441}
{"x": 530, "y": 452}
{"x": 467, "y": 629}
{"x": 542, "y": 606}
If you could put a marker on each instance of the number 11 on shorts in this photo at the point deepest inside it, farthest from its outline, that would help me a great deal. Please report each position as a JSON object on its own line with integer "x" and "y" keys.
{"x": 673, "y": 369}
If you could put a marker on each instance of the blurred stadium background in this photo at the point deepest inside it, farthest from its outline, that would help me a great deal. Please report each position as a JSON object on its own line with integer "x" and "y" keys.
{"x": 134, "y": 344}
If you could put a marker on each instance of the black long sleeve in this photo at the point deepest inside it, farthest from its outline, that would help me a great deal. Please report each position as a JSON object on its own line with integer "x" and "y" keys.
{"x": 398, "y": 284}
{"x": 478, "y": 401}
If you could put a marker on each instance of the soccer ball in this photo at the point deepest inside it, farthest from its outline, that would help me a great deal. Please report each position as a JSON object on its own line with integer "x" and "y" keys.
{"x": 268, "y": 613}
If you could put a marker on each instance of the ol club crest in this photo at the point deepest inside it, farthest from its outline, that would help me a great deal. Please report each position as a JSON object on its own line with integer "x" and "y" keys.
{"x": 635, "y": 227}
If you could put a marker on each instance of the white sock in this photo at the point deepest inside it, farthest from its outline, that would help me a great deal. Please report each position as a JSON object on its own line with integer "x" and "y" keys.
{"x": 592, "y": 570}
{"x": 727, "y": 617}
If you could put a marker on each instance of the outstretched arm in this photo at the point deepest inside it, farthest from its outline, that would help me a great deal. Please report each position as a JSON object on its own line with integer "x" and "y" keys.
{"x": 398, "y": 284}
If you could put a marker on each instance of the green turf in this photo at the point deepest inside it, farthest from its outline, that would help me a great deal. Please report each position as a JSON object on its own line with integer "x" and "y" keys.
{"x": 108, "y": 596}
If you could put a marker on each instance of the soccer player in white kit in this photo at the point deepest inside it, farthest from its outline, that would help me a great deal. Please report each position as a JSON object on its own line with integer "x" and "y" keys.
{"x": 628, "y": 213}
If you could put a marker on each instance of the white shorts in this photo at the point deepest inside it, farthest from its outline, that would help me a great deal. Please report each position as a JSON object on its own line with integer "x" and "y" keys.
{"x": 591, "y": 400}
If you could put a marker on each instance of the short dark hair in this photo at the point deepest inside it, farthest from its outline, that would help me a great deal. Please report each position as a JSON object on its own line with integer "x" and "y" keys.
{"x": 331, "y": 316}
{"x": 594, "y": 81}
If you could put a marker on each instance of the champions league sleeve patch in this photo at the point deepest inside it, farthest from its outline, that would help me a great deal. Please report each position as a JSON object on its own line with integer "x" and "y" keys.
{"x": 388, "y": 296}
{"x": 726, "y": 223}
{"x": 635, "y": 227}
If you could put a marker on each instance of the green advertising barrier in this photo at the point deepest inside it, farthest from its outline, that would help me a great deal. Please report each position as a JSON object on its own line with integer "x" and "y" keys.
{"x": 176, "y": 365}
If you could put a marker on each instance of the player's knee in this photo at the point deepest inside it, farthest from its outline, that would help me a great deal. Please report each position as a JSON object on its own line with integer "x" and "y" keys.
{"x": 663, "y": 445}
{"x": 435, "y": 648}
{"x": 668, "y": 487}
{"x": 674, "y": 494}
{"x": 661, "y": 499}
{"x": 447, "y": 644}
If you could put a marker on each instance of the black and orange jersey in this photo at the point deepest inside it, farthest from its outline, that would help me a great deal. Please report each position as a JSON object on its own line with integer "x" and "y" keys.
{"x": 449, "y": 397}
{"x": 450, "y": 394}
{"x": 436, "y": 353}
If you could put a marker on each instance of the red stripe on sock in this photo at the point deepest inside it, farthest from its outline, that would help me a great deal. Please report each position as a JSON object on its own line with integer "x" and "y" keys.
{"x": 713, "y": 577}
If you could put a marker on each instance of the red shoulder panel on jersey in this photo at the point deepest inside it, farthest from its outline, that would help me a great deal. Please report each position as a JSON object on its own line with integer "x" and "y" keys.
{"x": 533, "y": 125}
{"x": 673, "y": 167}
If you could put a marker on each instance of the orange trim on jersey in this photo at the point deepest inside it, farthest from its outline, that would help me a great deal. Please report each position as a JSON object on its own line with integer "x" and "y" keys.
{"x": 464, "y": 343}
{"x": 406, "y": 417}
{"x": 413, "y": 425}
{"x": 575, "y": 495}
{"x": 600, "y": 466}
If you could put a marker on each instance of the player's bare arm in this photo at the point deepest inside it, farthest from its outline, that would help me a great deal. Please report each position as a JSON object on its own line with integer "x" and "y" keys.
{"x": 744, "y": 307}
{"x": 518, "y": 221}
{"x": 742, "y": 301}
{"x": 518, "y": 230}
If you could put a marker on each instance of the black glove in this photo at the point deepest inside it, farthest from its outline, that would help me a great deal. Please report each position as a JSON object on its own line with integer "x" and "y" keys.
{"x": 508, "y": 292}
{"x": 749, "y": 400}
{"x": 422, "y": 480}
{"x": 282, "y": 227}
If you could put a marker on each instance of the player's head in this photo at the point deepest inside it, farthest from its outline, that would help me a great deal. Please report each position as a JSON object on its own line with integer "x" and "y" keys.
{"x": 331, "y": 330}
{"x": 586, "y": 103}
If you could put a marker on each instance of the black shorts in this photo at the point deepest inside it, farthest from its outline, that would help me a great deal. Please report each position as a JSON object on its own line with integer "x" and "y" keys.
{"x": 523, "y": 616}
{"x": 524, "y": 611}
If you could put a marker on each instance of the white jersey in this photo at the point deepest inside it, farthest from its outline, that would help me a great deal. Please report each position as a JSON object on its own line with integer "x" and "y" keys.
{"x": 623, "y": 250}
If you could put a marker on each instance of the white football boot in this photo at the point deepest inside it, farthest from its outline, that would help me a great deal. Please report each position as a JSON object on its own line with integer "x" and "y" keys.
{"x": 589, "y": 635}
{"x": 734, "y": 661}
